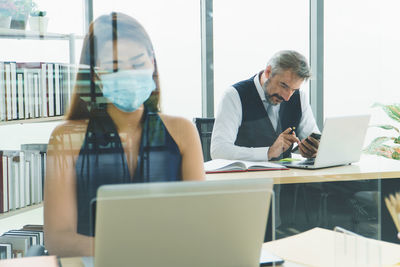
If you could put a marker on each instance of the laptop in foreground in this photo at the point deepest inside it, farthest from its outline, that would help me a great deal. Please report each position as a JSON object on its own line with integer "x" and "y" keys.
{"x": 213, "y": 223}
{"x": 341, "y": 143}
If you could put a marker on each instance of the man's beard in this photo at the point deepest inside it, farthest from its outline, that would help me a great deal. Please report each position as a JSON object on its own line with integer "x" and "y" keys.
{"x": 268, "y": 96}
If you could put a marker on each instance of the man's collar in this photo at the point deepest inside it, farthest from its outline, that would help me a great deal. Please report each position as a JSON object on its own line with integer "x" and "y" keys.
{"x": 259, "y": 87}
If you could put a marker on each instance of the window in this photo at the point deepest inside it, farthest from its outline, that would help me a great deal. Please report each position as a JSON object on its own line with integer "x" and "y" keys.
{"x": 247, "y": 34}
{"x": 174, "y": 27}
{"x": 361, "y": 57}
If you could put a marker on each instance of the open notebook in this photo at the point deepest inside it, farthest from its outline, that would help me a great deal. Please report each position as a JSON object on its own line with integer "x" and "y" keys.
{"x": 224, "y": 165}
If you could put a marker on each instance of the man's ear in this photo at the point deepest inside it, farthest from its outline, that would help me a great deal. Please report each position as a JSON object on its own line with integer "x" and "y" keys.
{"x": 268, "y": 71}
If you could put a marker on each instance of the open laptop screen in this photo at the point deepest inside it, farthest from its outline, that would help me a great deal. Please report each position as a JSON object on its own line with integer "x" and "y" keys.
{"x": 213, "y": 223}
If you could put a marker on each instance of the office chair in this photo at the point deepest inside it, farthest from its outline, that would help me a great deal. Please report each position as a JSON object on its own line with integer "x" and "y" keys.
{"x": 204, "y": 127}
{"x": 36, "y": 250}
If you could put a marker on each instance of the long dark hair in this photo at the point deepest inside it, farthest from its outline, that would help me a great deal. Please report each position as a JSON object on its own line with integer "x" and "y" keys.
{"x": 87, "y": 96}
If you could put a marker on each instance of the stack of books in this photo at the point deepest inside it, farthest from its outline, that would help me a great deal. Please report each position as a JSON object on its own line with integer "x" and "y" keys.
{"x": 22, "y": 174}
{"x": 34, "y": 89}
{"x": 15, "y": 243}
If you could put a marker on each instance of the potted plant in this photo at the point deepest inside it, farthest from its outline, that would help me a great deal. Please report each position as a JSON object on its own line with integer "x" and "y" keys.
{"x": 387, "y": 146}
{"x": 7, "y": 9}
{"x": 22, "y": 10}
{"x": 38, "y": 21}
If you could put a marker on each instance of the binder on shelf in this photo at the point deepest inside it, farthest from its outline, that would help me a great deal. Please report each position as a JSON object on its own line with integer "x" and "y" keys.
{"x": 5, "y": 251}
{"x": 4, "y": 183}
{"x": 33, "y": 75}
{"x": 50, "y": 89}
{"x": 57, "y": 90}
{"x": 15, "y": 243}
{"x": 2, "y": 93}
{"x": 13, "y": 69}
{"x": 11, "y": 157}
{"x": 38, "y": 235}
{"x": 36, "y": 95}
{"x": 34, "y": 89}
{"x": 35, "y": 166}
{"x": 7, "y": 78}
{"x": 20, "y": 92}
{"x": 43, "y": 84}
{"x": 20, "y": 244}
{"x": 23, "y": 181}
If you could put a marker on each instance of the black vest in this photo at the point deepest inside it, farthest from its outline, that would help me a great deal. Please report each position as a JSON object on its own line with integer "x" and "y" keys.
{"x": 256, "y": 129}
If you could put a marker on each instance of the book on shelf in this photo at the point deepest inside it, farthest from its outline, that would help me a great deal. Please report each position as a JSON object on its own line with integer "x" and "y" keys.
{"x": 2, "y": 93}
{"x": 34, "y": 89}
{"x": 32, "y": 76}
{"x": 15, "y": 243}
{"x": 4, "y": 183}
{"x": 20, "y": 91}
{"x": 224, "y": 165}
{"x": 20, "y": 244}
{"x": 35, "y": 167}
{"x": 5, "y": 251}
{"x": 13, "y": 69}
{"x": 57, "y": 90}
{"x": 33, "y": 227}
{"x": 22, "y": 174}
{"x": 50, "y": 89}
{"x": 7, "y": 81}
{"x": 11, "y": 163}
{"x": 38, "y": 235}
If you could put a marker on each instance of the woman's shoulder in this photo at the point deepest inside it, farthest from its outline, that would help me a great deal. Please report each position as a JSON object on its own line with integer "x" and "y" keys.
{"x": 70, "y": 131}
{"x": 71, "y": 127}
{"x": 176, "y": 122}
{"x": 180, "y": 128}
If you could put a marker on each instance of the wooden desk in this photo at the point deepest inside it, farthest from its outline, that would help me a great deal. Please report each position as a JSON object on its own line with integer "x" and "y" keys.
{"x": 369, "y": 167}
{"x": 72, "y": 262}
{"x": 321, "y": 247}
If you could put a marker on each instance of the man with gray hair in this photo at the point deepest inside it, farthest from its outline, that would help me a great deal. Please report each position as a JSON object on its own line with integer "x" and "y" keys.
{"x": 262, "y": 117}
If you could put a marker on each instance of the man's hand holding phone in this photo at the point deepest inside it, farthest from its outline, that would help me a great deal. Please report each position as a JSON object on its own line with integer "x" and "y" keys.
{"x": 282, "y": 143}
{"x": 309, "y": 146}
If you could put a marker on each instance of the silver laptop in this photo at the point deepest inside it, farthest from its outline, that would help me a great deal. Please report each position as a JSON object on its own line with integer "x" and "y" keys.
{"x": 180, "y": 224}
{"x": 341, "y": 143}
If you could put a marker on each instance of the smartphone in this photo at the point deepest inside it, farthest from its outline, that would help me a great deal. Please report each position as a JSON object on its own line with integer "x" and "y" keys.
{"x": 313, "y": 135}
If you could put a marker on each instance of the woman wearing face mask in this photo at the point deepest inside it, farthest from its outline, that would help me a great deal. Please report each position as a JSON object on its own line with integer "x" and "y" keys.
{"x": 113, "y": 134}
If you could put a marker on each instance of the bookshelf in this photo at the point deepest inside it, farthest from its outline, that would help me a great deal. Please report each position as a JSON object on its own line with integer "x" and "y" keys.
{"x": 19, "y": 211}
{"x": 31, "y": 123}
{"x": 33, "y": 120}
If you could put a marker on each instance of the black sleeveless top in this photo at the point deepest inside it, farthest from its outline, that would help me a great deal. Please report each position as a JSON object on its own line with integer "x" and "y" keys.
{"x": 102, "y": 161}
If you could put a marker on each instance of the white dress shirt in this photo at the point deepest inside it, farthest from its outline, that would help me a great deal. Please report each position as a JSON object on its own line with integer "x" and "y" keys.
{"x": 229, "y": 119}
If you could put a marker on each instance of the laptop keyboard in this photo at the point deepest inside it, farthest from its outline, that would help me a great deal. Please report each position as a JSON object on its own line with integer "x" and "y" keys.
{"x": 308, "y": 161}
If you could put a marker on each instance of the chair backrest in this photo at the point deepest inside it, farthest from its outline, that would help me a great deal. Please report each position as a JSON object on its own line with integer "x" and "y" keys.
{"x": 205, "y": 127}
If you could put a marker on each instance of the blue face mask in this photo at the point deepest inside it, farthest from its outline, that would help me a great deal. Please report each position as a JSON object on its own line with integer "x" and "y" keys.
{"x": 128, "y": 89}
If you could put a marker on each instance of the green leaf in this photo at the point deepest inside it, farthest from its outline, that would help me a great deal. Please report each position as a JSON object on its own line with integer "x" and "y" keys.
{"x": 375, "y": 105}
{"x": 393, "y": 111}
{"x": 383, "y": 150}
{"x": 396, "y": 155}
{"x": 397, "y": 140}
{"x": 387, "y": 127}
